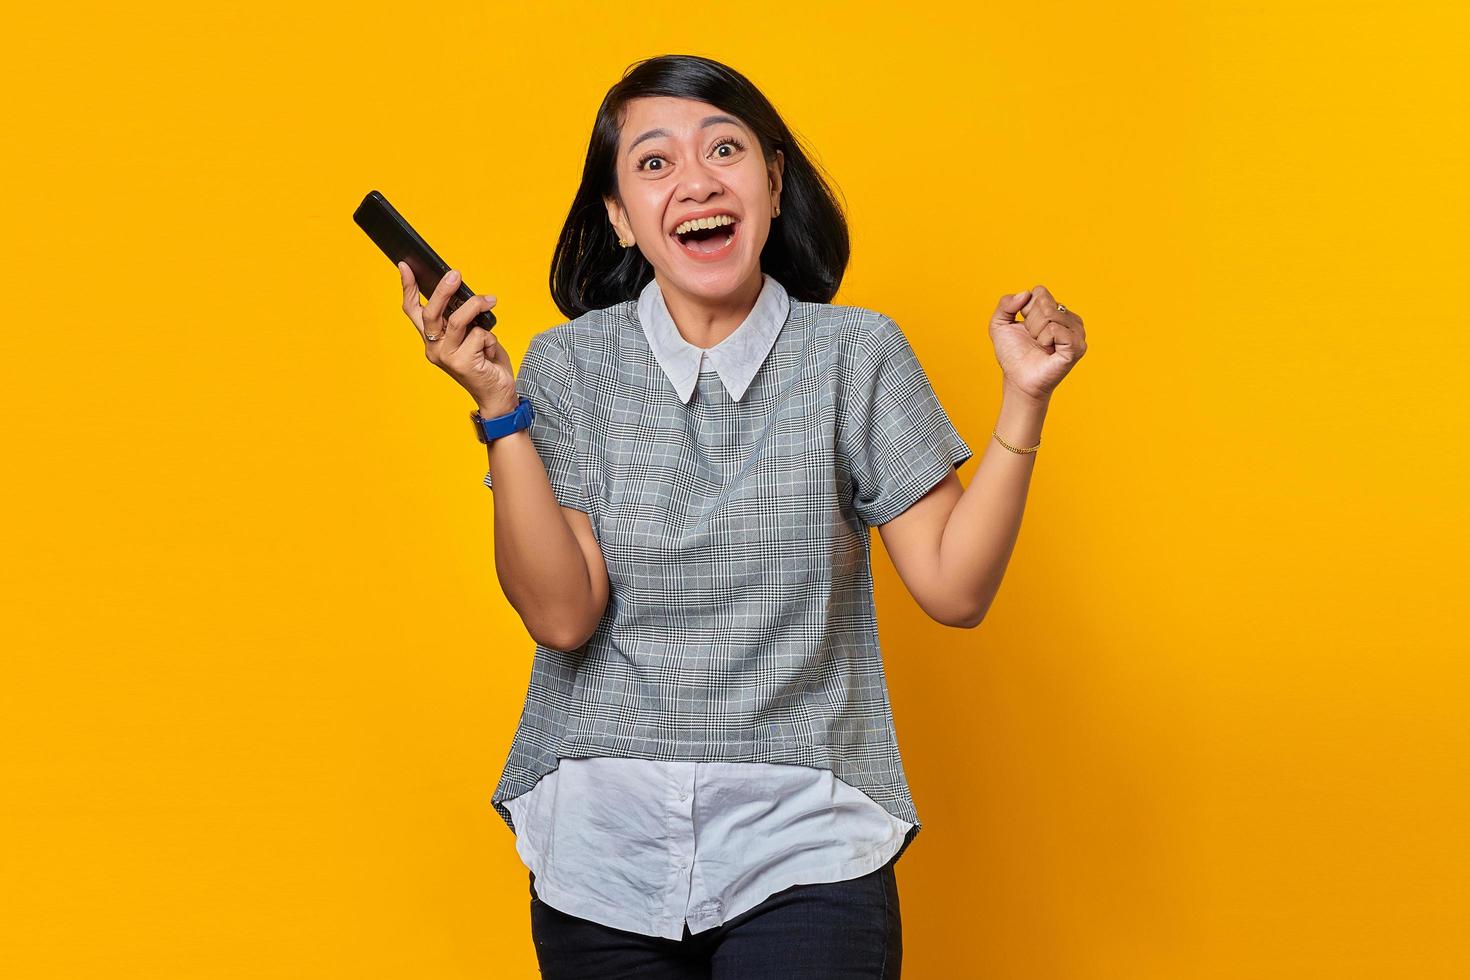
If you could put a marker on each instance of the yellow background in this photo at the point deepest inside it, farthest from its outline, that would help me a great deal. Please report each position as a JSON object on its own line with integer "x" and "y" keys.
{"x": 259, "y": 678}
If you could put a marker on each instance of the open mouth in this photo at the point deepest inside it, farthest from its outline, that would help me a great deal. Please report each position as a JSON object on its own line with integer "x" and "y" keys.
{"x": 708, "y": 242}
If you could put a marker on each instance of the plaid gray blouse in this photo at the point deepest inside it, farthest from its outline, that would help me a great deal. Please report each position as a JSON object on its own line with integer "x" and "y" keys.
{"x": 740, "y": 623}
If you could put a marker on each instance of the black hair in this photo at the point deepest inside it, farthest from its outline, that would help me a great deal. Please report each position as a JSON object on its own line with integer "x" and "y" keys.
{"x": 807, "y": 251}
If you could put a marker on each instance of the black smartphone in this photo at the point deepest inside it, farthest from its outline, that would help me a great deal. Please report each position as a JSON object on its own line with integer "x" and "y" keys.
{"x": 395, "y": 236}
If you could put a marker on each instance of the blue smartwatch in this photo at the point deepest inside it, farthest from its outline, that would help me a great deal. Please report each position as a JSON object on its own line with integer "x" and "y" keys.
{"x": 503, "y": 425}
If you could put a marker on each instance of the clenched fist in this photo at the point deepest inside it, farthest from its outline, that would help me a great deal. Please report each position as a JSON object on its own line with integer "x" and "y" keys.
{"x": 1037, "y": 354}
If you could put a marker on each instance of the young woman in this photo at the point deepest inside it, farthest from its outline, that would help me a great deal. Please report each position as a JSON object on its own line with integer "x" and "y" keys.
{"x": 705, "y": 780}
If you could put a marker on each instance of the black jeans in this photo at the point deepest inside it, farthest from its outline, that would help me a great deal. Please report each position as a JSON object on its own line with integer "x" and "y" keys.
{"x": 840, "y": 929}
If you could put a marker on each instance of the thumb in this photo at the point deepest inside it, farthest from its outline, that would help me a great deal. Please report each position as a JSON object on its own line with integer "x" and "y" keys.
{"x": 1011, "y": 304}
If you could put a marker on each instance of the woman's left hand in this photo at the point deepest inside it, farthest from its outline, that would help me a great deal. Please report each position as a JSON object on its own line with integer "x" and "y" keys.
{"x": 1037, "y": 354}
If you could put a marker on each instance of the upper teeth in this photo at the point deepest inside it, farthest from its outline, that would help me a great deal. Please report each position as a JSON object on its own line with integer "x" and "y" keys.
{"x": 714, "y": 222}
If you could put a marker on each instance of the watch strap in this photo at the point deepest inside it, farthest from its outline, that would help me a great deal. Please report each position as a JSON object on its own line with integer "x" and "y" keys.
{"x": 503, "y": 425}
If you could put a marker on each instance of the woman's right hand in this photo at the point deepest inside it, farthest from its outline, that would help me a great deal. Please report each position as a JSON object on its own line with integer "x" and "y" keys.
{"x": 474, "y": 358}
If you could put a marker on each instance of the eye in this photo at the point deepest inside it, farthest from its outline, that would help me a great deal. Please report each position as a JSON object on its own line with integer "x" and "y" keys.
{"x": 730, "y": 141}
{"x": 651, "y": 155}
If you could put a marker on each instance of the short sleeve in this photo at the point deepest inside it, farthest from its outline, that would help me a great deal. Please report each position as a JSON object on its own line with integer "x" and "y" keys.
{"x": 544, "y": 376}
{"x": 897, "y": 439}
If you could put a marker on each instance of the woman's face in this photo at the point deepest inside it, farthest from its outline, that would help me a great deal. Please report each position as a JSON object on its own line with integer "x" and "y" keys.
{"x": 679, "y": 158}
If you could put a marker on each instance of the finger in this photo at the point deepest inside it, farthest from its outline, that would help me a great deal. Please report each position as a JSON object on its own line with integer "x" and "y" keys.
{"x": 483, "y": 340}
{"x": 411, "y": 296}
{"x": 479, "y": 349}
{"x": 1042, "y": 309}
{"x": 1057, "y": 335}
{"x": 459, "y": 320}
{"x": 1009, "y": 305}
{"x": 1046, "y": 337}
{"x": 467, "y": 312}
{"x": 1041, "y": 301}
{"x": 1041, "y": 295}
{"x": 434, "y": 309}
{"x": 1071, "y": 321}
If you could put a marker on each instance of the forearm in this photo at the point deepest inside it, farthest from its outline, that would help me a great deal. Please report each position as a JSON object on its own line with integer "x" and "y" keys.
{"x": 540, "y": 564}
{"x": 982, "y": 529}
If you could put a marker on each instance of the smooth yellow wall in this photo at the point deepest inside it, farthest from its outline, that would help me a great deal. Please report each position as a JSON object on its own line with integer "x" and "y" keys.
{"x": 259, "y": 678}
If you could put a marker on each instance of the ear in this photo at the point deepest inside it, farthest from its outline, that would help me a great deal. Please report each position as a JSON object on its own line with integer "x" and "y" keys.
{"x": 775, "y": 174}
{"x": 619, "y": 218}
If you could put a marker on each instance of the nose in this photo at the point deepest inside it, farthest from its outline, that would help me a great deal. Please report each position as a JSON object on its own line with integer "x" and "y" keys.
{"x": 700, "y": 181}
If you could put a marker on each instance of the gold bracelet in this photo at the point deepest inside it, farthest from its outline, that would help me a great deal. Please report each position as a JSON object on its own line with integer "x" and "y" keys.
{"x": 1013, "y": 448}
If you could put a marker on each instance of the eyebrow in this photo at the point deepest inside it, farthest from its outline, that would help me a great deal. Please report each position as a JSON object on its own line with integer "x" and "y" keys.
{"x": 706, "y": 121}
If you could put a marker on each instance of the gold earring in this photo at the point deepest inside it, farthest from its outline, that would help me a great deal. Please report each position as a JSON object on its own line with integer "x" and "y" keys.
{"x": 778, "y": 211}
{"x": 623, "y": 243}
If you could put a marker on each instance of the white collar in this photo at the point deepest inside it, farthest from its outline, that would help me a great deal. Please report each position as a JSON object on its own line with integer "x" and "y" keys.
{"x": 736, "y": 359}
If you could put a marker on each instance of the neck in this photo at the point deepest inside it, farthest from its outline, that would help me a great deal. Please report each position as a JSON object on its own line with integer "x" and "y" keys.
{"x": 703, "y": 322}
